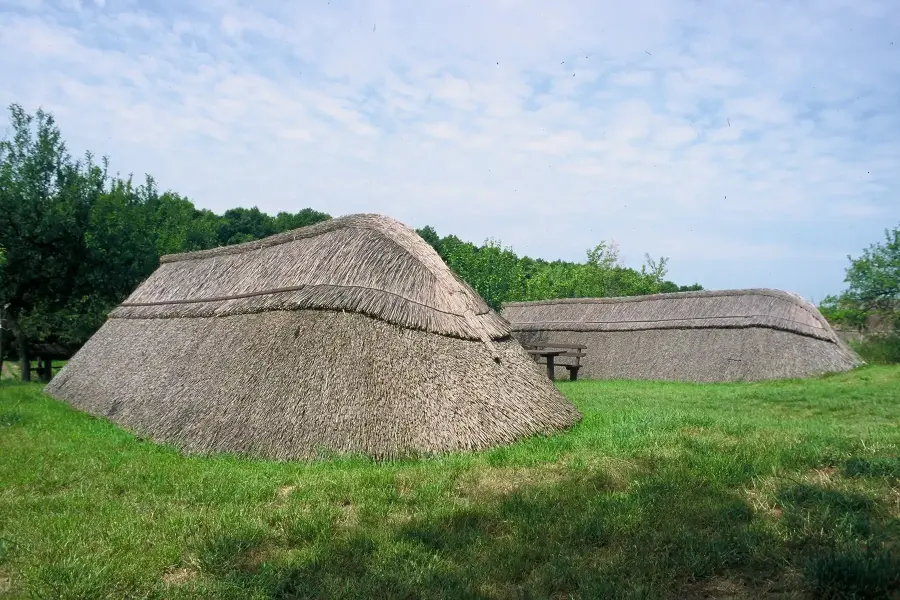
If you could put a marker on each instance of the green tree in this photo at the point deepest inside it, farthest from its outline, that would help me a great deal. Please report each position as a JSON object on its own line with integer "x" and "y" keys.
{"x": 428, "y": 234}
{"x": 285, "y": 221}
{"x": 841, "y": 310}
{"x": 492, "y": 270}
{"x": 239, "y": 225}
{"x": 179, "y": 226}
{"x": 874, "y": 278}
{"x": 45, "y": 205}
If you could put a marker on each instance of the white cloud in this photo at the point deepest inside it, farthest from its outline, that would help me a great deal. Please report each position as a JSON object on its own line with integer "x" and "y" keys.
{"x": 657, "y": 123}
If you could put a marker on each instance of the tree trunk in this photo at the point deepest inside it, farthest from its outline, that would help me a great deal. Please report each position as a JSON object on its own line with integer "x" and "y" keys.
{"x": 24, "y": 359}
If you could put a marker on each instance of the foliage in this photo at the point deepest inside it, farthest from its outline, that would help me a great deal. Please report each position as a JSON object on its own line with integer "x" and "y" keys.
{"x": 840, "y": 310}
{"x": 499, "y": 275}
{"x": 45, "y": 208}
{"x": 76, "y": 241}
{"x": 879, "y": 349}
{"x": 873, "y": 291}
{"x": 874, "y": 277}
{"x": 665, "y": 490}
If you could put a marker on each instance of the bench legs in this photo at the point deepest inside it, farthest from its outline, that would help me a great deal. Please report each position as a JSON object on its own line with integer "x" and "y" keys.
{"x": 573, "y": 370}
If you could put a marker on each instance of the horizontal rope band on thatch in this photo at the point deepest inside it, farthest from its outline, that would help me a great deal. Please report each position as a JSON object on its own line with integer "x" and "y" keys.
{"x": 377, "y": 304}
{"x": 732, "y": 323}
{"x": 365, "y": 263}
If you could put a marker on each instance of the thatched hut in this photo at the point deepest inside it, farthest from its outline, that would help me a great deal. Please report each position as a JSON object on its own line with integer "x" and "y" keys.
{"x": 349, "y": 336}
{"x": 730, "y": 335}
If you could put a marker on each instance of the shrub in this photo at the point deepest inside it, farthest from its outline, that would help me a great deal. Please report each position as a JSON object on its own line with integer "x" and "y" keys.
{"x": 879, "y": 349}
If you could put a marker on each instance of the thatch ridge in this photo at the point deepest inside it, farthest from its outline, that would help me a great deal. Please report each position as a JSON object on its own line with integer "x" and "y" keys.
{"x": 363, "y": 263}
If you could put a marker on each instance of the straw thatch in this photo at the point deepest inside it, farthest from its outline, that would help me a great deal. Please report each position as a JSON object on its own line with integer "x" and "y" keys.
{"x": 727, "y": 335}
{"x": 350, "y": 336}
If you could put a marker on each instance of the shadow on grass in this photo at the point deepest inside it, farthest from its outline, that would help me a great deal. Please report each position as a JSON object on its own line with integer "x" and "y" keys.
{"x": 846, "y": 543}
{"x": 581, "y": 536}
{"x": 887, "y": 466}
{"x": 665, "y": 532}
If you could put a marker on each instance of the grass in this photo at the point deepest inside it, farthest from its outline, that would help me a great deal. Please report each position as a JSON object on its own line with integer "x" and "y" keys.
{"x": 665, "y": 490}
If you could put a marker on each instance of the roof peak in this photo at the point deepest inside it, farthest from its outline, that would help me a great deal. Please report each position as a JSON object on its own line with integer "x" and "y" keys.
{"x": 365, "y": 263}
{"x": 364, "y": 220}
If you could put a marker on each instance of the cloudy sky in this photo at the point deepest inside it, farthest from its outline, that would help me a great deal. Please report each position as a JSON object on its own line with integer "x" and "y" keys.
{"x": 754, "y": 143}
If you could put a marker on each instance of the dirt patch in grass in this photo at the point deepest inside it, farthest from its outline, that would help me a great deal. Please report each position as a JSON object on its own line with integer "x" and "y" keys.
{"x": 717, "y": 587}
{"x": 348, "y": 518}
{"x": 285, "y": 491}
{"x": 256, "y": 556}
{"x": 493, "y": 482}
{"x": 179, "y": 576}
{"x": 404, "y": 484}
{"x": 822, "y": 475}
{"x": 605, "y": 473}
{"x": 785, "y": 585}
{"x": 711, "y": 435}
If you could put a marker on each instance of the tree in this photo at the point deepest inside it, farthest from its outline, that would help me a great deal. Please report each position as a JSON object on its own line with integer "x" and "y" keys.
{"x": 428, "y": 234}
{"x": 492, "y": 270}
{"x": 45, "y": 202}
{"x": 874, "y": 277}
{"x": 179, "y": 226}
{"x": 2, "y": 311}
{"x": 285, "y": 221}
{"x": 239, "y": 225}
{"x": 873, "y": 286}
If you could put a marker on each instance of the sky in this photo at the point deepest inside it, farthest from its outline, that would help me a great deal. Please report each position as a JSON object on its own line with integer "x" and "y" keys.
{"x": 754, "y": 144}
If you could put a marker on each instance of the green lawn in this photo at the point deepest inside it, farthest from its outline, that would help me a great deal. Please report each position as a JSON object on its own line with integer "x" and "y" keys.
{"x": 673, "y": 490}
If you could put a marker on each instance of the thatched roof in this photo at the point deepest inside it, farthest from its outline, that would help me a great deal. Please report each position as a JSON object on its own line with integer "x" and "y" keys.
{"x": 726, "y": 309}
{"x": 350, "y": 335}
{"x": 758, "y": 333}
{"x": 361, "y": 263}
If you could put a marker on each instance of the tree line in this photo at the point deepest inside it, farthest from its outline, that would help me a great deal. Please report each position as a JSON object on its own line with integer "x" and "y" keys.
{"x": 75, "y": 241}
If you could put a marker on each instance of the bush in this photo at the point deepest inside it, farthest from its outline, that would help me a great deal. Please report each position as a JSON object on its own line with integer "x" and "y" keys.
{"x": 879, "y": 349}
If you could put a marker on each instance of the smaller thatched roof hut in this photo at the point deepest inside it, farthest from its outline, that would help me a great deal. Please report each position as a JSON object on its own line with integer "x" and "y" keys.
{"x": 350, "y": 335}
{"x": 727, "y": 335}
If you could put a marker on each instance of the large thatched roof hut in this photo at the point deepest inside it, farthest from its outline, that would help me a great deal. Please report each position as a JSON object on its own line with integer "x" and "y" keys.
{"x": 728, "y": 335}
{"x": 350, "y": 336}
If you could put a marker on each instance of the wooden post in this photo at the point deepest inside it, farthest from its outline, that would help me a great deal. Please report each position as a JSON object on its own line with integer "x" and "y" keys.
{"x": 550, "y": 373}
{"x": 45, "y": 369}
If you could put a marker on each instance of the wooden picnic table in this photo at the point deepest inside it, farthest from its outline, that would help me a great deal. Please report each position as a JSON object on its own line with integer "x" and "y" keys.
{"x": 550, "y": 355}
{"x": 550, "y": 351}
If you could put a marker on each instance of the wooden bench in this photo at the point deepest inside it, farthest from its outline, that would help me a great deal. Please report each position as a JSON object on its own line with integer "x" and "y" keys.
{"x": 549, "y": 351}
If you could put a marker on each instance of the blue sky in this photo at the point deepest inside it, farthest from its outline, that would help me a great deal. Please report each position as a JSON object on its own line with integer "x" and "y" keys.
{"x": 755, "y": 144}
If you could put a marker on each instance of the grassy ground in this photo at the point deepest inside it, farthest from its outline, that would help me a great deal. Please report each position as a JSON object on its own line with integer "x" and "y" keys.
{"x": 785, "y": 489}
